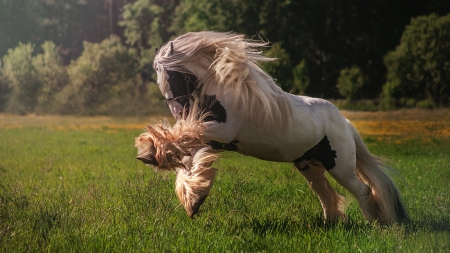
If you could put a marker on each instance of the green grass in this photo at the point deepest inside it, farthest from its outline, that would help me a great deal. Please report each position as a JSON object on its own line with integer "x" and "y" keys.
{"x": 83, "y": 191}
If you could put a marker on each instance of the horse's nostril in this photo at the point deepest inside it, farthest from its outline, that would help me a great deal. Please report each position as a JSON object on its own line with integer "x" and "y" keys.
{"x": 147, "y": 159}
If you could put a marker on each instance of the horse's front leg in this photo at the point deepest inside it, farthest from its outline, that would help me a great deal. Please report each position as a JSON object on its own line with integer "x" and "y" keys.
{"x": 332, "y": 202}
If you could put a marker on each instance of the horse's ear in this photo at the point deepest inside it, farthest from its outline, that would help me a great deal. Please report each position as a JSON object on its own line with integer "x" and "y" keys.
{"x": 156, "y": 51}
{"x": 170, "y": 51}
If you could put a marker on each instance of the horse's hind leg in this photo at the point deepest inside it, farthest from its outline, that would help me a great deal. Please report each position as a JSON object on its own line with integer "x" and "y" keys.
{"x": 332, "y": 202}
{"x": 345, "y": 174}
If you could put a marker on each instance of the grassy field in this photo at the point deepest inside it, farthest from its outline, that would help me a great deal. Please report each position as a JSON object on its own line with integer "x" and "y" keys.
{"x": 72, "y": 184}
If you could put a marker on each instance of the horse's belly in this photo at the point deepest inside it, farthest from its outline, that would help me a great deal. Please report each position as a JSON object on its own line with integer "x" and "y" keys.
{"x": 277, "y": 151}
{"x": 263, "y": 152}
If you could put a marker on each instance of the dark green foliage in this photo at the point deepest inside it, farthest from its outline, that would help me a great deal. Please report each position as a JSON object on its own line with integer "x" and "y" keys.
{"x": 103, "y": 80}
{"x": 67, "y": 23}
{"x": 201, "y": 15}
{"x": 280, "y": 69}
{"x": 146, "y": 26}
{"x": 314, "y": 41}
{"x": 301, "y": 78}
{"x": 52, "y": 76}
{"x": 19, "y": 22}
{"x": 5, "y": 89}
{"x": 99, "y": 77}
{"x": 325, "y": 35}
{"x": 31, "y": 82}
{"x": 350, "y": 81}
{"x": 418, "y": 68}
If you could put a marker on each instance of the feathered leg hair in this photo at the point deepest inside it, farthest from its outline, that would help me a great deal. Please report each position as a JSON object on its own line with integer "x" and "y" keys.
{"x": 180, "y": 148}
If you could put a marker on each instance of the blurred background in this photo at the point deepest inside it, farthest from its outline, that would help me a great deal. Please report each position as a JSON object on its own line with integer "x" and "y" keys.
{"x": 94, "y": 57}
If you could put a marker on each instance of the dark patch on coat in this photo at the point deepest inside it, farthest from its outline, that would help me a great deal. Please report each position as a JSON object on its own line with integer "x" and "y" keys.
{"x": 322, "y": 152}
{"x": 232, "y": 146}
{"x": 212, "y": 106}
{"x": 183, "y": 85}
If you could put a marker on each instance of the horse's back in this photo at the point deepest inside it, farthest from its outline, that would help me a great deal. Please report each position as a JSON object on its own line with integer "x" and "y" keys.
{"x": 311, "y": 121}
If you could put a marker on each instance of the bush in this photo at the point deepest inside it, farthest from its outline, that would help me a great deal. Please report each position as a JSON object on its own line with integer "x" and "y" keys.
{"x": 100, "y": 78}
{"x": 52, "y": 76}
{"x": 20, "y": 74}
{"x": 301, "y": 78}
{"x": 5, "y": 89}
{"x": 350, "y": 82}
{"x": 103, "y": 80}
{"x": 418, "y": 67}
{"x": 280, "y": 69}
{"x": 29, "y": 83}
{"x": 426, "y": 104}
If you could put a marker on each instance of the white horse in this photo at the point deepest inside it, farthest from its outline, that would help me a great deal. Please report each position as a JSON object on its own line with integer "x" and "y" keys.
{"x": 248, "y": 113}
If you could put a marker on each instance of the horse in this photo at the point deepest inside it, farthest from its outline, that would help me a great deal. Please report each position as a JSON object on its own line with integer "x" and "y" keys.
{"x": 247, "y": 112}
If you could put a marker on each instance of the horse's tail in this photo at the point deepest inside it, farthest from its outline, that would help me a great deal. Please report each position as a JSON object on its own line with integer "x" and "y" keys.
{"x": 376, "y": 175}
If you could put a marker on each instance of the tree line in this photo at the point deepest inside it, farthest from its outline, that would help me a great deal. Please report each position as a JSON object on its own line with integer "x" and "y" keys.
{"x": 95, "y": 57}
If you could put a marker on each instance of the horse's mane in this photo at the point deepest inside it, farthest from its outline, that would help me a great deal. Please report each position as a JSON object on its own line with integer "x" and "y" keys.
{"x": 227, "y": 60}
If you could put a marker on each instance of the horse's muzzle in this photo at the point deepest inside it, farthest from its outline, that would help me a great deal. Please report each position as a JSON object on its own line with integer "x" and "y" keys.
{"x": 147, "y": 159}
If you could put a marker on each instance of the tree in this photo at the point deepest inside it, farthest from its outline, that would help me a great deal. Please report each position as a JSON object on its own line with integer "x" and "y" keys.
{"x": 327, "y": 35}
{"x": 19, "y": 22}
{"x": 212, "y": 15}
{"x": 350, "y": 82}
{"x": 418, "y": 67}
{"x": 301, "y": 79}
{"x": 5, "y": 89}
{"x": 279, "y": 69}
{"x": 51, "y": 74}
{"x": 31, "y": 82}
{"x": 67, "y": 23}
{"x": 97, "y": 77}
{"x": 21, "y": 76}
{"x": 146, "y": 26}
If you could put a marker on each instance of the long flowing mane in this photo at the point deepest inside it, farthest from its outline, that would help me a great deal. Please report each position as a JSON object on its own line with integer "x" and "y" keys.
{"x": 227, "y": 60}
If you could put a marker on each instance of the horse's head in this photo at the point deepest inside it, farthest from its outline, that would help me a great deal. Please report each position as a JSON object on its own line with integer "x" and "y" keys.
{"x": 146, "y": 149}
{"x": 191, "y": 162}
{"x": 195, "y": 176}
{"x": 180, "y": 148}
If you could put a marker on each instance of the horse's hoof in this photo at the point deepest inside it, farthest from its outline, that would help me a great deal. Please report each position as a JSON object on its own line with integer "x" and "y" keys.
{"x": 196, "y": 207}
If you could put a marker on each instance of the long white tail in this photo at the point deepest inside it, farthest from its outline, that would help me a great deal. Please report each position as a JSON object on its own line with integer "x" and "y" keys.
{"x": 377, "y": 175}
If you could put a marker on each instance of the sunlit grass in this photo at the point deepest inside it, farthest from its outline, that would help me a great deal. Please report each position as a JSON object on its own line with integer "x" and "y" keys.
{"x": 69, "y": 123}
{"x": 405, "y": 124}
{"x": 70, "y": 184}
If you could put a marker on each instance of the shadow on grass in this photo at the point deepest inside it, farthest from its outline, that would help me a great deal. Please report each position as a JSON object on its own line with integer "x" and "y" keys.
{"x": 441, "y": 224}
{"x": 271, "y": 225}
